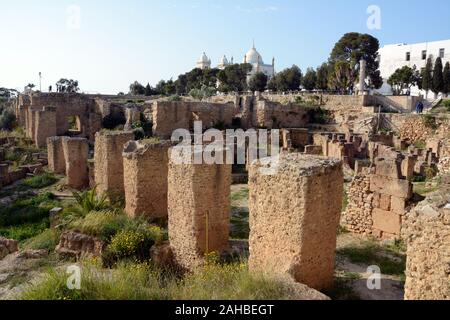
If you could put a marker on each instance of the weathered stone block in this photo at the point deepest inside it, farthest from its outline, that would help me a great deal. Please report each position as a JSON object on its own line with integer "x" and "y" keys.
{"x": 386, "y": 221}
{"x": 388, "y": 168}
{"x": 199, "y": 210}
{"x": 398, "y": 205}
{"x": 294, "y": 215}
{"x": 56, "y": 160}
{"x": 394, "y": 187}
{"x": 108, "y": 167}
{"x": 145, "y": 178}
{"x": 76, "y": 152}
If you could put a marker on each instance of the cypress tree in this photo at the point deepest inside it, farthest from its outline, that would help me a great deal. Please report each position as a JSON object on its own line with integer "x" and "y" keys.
{"x": 438, "y": 79}
{"x": 446, "y": 76}
{"x": 427, "y": 78}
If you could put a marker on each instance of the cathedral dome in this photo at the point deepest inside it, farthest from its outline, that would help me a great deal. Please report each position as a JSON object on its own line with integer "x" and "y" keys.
{"x": 253, "y": 57}
{"x": 203, "y": 58}
{"x": 224, "y": 61}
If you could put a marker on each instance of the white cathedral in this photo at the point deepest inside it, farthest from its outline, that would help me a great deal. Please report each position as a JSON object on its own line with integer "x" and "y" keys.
{"x": 252, "y": 57}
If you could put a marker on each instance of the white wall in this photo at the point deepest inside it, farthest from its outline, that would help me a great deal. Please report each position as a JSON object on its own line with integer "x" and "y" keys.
{"x": 393, "y": 57}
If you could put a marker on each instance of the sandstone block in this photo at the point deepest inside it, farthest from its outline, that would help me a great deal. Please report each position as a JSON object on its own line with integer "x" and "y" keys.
{"x": 294, "y": 215}
{"x": 386, "y": 221}
{"x": 391, "y": 186}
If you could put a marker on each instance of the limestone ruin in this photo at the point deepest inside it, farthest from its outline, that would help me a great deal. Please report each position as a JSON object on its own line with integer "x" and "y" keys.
{"x": 294, "y": 216}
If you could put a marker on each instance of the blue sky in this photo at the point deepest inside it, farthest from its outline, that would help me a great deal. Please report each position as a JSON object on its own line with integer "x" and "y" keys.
{"x": 117, "y": 42}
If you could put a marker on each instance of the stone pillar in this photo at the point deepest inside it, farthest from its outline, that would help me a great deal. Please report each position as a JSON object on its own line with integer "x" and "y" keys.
{"x": 362, "y": 76}
{"x": 199, "y": 210}
{"x": 108, "y": 160}
{"x": 55, "y": 152}
{"x": 45, "y": 126}
{"x": 4, "y": 174}
{"x": 294, "y": 217}
{"x": 145, "y": 178}
{"x": 76, "y": 152}
{"x": 408, "y": 167}
{"x": 427, "y": 235}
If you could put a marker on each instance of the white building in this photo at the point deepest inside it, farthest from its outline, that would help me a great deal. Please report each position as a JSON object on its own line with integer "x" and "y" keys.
{"x": 395, "y": 56}
{"x": 204, "y": 62}
{"x": 252, "y": 57}
{"x": 255, "y": 59}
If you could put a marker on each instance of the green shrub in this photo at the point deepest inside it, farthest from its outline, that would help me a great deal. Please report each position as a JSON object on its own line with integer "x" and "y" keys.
{"x": 41, "y": 181}
{"x": 24, "y": 231}
{"x": 88, "y": 201}
{"x": 47, "y": 240}
{"x": 7, "y": 120}
{"x": 131, "y": 244}
{"x": 140, "y": 281}
{"x": 28, "y": 210}
{"x": 174, "y": 98}
{"x": 430, "y": 121}
{"x": 102, "y": 224}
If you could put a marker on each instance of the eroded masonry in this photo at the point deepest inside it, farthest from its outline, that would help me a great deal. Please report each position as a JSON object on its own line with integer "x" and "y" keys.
{"x": 123, "y": 149}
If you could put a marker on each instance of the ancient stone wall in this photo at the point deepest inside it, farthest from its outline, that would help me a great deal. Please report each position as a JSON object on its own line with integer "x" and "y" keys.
{"x": 273, "y": 115}
{"x": 427, "y": 234}
{"x": 357, "y": 217}
{"x": 56, "y": 160}
{"x": 145, "y": 178}
{"x": 76, "y": 151}
{"x": 45, "y": 126}
{"x": 199, "y": 210}
{"x": 108, "y": 159}
{"x": 44, "y": 113}
{"x": 378, "y": 199}
{"x": 294, "y": 216}
{"x": 169, "y": 116}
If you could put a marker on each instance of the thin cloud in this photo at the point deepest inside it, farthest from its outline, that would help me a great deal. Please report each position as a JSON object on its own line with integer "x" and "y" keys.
{"x": 257, "y": 9}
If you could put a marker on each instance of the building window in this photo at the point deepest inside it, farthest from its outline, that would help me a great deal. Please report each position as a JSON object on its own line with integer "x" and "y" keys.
{"x": 441, "y": 53}
{"x": 408, "y": 56}
{"x": 424, "y": 54}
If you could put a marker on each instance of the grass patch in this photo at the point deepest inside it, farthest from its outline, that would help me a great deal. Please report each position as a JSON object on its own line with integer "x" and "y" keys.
{"x": 28, "y": 210}
{"x": 422, "y": 189}
{"x": 240, "y": 227}
{"x": 240, "y": 195}
{"x": 141, "y": 281}
{"x": 47, "y": 240}
{"x": 342, "y": 289}
{"x": 41, "y": 181}
{"x": 370, "y": 253}
{"x": 24, "y": 231}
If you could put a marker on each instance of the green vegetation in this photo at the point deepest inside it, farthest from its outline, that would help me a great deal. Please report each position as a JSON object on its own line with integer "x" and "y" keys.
{"x": 430, "y": 121}
{"x": 240, "y": 227}
{"x": 47, "y": 240}
{"x": 240, "y": 195}
{"x": 141, "y": 281}
{"x": 391, "y": 259}
{"x": 40, "y": 181}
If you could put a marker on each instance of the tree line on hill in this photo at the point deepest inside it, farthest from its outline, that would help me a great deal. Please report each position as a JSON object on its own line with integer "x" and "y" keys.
{"x": 339, "y": 74}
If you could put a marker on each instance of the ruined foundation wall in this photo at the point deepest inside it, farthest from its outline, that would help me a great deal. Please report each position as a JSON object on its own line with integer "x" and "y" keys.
{"x": 357, "y": 217}
{"x": 294, "y": 216}
{"x": 108, "y": 159}
{"x": 199, "y": 209}
{"x": 427, "y": 234}
{"x": 169, "y": 116}
{"x": 145, "y": 178}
